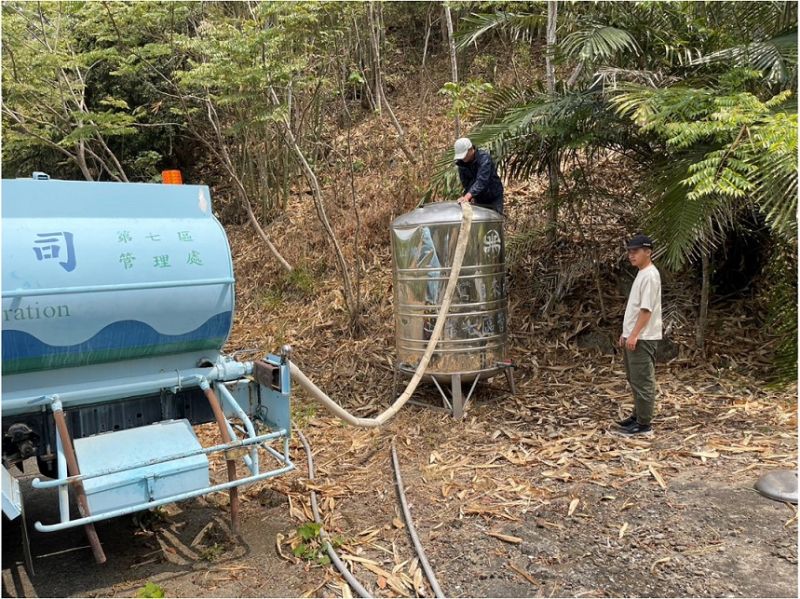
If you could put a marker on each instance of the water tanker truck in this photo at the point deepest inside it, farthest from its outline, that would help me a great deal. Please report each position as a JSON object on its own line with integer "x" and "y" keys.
{"x": 117, "y": 301}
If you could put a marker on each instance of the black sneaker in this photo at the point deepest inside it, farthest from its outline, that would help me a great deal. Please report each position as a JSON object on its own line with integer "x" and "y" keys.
{"x": 636, "y": 430}
{"x": 630, "y": 420}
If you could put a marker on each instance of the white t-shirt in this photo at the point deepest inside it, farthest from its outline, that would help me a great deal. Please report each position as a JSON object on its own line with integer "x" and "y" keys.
{"x": 645, "y": 294}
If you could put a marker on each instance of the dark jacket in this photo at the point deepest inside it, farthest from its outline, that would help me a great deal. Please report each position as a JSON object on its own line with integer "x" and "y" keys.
{"x": 479, "y": 178}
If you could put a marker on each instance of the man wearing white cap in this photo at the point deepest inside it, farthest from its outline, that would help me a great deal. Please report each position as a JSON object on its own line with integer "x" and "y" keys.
{"x": 478, "y": 175}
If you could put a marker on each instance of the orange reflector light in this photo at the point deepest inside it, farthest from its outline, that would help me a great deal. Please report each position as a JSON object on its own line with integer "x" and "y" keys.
{"x": 171, "y": 177}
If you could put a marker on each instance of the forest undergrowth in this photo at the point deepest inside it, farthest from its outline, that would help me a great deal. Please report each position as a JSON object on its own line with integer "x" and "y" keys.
{"x": 516, "y": 457}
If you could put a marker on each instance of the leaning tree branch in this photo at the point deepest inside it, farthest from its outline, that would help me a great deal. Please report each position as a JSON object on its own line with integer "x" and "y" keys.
{"x": 320, "y": 206}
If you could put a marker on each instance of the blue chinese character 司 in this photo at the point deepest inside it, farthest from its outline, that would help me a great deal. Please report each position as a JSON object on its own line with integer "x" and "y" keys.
{"x": 50, "y": 248}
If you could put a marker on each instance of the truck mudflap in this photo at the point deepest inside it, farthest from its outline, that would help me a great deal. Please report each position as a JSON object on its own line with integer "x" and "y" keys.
{"x": 12, "y": 499}
{"x": 14, "y": 508}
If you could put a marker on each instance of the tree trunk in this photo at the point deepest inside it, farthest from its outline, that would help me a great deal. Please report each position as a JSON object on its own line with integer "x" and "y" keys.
{"x": 427, "y": 37}
{"x": 380, "y": 94}
{"x": 453, "y": 61}
{"x": 347, "y": 285}
{"x": 550, "y": 69}
{"x": 376, "y": 55}
{"x": 552, "y": 164}
{"x": 220, "y": 150}
{"x": 401, "y": 135}
{"x": 702, "y": 319}
{"x": 80, "y": 160}
{"x": 586, "y": 243}
{"x": 356, "y": 325}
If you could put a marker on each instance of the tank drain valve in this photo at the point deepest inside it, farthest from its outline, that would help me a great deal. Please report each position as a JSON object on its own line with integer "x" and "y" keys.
{"x": 286, "y": 353}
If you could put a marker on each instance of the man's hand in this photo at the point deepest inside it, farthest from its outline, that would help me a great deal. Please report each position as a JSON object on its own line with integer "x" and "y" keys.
{"x": 631, "y": 342}
{"x": 465, "y": 198}
{"x": 621, "y": 342}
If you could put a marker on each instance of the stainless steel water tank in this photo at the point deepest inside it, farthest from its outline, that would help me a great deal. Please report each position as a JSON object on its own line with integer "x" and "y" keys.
{"x": 474, "y": 340}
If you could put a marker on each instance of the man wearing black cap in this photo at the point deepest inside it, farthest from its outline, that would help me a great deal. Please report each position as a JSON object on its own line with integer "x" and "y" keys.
{"x": 641, "y": 330}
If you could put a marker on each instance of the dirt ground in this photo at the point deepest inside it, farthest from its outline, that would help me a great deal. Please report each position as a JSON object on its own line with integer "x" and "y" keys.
{"x": 529, "y": 495}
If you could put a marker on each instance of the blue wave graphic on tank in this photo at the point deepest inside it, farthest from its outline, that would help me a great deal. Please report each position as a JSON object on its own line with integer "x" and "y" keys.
{"x": 121, "y": 340}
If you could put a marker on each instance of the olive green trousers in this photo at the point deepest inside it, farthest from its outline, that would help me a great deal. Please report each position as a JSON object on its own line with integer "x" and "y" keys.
{"x": 640, "y": 368}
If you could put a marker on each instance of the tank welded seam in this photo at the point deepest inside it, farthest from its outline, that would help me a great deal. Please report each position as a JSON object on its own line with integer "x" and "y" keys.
{"x": 415, "y": 226}
{"x": 450, "y": 352}
{"x": 443, "y": 277}
{"x": 454, "y": 314}
{"x": 454, "y": 342}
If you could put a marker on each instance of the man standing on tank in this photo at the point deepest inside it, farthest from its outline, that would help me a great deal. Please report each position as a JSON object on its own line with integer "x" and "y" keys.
{"x": 482, "y": 185}
{"x": 641, "y": 331}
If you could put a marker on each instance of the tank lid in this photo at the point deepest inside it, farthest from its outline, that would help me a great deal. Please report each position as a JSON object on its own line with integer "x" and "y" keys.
{"x": 443, "y": 213}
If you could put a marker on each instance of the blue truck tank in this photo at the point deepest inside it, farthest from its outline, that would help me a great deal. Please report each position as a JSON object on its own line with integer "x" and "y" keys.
{"x": 109, "y": 272}
{"x": 117, "y": 300}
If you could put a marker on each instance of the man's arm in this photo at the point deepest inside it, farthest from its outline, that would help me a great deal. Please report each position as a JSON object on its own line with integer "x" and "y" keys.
{"x": 463, "y": 176}
{"x": 482, "y": 178}
{"x": 641, "y": 322}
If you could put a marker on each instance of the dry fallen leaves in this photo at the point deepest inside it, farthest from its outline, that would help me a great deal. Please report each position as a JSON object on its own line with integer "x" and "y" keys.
{"x": 662, "y": 560}
{"x": 504, "y": 537}
{"x": 657, "y": 476}
{"x": 572, "y": 505}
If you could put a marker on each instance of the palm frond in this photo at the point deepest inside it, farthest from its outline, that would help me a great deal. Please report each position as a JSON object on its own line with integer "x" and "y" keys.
{"x": 519, "y": 26}
{"x": 774, "y": 57}
{"x": 614, "y": 79}
{"x": 685, "y": 227}
{"x": 765, "y": 19}
{"x": 782, "y": 304}
{"x": 523, "y": 129}
{"x": 775, "y": 150}
{"x": 599, "y": 42}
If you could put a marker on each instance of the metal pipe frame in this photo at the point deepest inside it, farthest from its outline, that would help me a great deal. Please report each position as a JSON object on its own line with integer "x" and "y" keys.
{"x": 37, "y": 483}
{"x": 253, "y": 441}
{"x": 63, "y": 491}
{"x": 247, "y": 460}
{"x": 174, "y": 380}
{"x": 229, "y": 400}
{"x": 151, "y": 504}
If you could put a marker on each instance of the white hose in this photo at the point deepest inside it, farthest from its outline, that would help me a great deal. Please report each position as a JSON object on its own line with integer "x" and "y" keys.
{"x": 318, "y": 395}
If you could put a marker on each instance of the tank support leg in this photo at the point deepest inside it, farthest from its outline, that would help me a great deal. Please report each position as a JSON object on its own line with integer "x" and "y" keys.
{"x": 394, "y": 383}
{"x": 219, "y": 415}
{"x": 457, "y": 398}
{"x": 471, "y": 390}
{"x": 509, "y": 372}
{"x": 73, "y": 470}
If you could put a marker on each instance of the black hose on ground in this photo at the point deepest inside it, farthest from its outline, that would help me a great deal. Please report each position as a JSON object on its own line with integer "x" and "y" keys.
{"x": 426, "y": 567}
{"x": 335, "y": 560}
